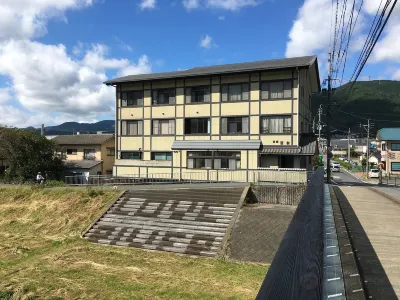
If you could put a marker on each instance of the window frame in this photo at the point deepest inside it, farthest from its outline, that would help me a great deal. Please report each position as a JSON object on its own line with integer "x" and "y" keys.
{"x": 397, "y": 144}
{"x": 273, "y": 117}
{"x": 91, "y": 151}
{"x": 110, "y": 151}
{"x": 152, "y": 155}
{"x": 74, "y": 151}
{"x": 214, "y": 155}
{"x": 269, "y": 90}
{"x": 241, "y": 93}
{"x": 159, "y": 127}
{"x": 391, "y": 166}
{"x": 383, "y": 147}
{"x": 127, "y": 99}
{"x": 202, "y": 118}
{"x": 162, "y": 89}
{"x": 127, "y": 151}
{"x": 132, "y": 121}
{"x": 209, "y": 87}
{"x": 230, "y": 117}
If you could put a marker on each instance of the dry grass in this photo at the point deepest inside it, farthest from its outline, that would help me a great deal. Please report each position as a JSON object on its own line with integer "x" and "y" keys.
{"x": 42, "y": 256}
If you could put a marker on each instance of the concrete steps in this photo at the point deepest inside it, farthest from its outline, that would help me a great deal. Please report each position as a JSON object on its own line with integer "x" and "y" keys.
{"x": 189, "y": 221}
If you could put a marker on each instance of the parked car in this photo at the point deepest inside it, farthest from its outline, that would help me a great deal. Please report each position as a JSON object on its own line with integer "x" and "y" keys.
{"x": 335, "y": 168}
{"x": 335, "y": 163}
{"x": 373, "y": 173}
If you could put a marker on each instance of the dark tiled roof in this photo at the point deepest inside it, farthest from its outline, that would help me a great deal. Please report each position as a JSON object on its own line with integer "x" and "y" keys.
{"x": 308, "y": 146}
{"x": 389, "y": 134}
{"x": 83, "y": 139}
{"x": 81, "y": 164}
{"x": 222, "y": 69}
{"x": 342, "y": 144}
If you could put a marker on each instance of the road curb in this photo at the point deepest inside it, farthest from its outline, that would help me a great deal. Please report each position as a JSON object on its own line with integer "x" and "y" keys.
{"x": 350, "y": 173}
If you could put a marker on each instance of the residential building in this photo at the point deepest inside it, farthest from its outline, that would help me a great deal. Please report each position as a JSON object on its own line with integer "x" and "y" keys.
{"x": 340, "y": 147}
{"x": 87, "y": 154}
{"x": 389, "y": 145}
{"x": 242, "y": 116}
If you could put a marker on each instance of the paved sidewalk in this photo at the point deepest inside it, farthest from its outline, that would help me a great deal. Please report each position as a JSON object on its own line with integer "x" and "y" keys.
{"x": 376, "y": 238}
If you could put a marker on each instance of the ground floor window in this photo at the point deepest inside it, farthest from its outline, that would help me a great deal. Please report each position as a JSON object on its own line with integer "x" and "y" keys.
{"x": 213, "y": 160}
{"x": 131, "y": 155}
{"x": 161, "y": 156}
{"x": 277, "y": 161}
{"x": 396, "y": 166}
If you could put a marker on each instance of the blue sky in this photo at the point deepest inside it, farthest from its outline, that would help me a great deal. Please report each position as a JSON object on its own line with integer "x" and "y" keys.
{"x": 55, "y": 54}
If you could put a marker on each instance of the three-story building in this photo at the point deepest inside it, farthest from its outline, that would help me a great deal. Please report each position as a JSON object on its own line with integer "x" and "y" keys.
{"x": 242, "y": 116}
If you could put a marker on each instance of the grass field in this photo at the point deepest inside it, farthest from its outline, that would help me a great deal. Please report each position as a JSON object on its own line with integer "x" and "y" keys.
{"x": 43, "y": 257}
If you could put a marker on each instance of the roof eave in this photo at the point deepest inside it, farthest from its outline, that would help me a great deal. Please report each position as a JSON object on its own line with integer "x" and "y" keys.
{"x": 116, "y": 81}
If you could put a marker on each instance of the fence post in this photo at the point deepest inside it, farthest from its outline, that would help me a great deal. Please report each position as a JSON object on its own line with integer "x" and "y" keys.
{"x": 395, "y": 181}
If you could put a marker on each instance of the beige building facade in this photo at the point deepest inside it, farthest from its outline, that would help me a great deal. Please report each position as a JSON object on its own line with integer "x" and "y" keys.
{"x": 389, "y": 144}
{"x": 87, "y": 154}
{"x": 238, "y": 117}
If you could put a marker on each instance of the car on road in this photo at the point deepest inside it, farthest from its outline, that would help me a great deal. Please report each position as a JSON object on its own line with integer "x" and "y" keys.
{"x": 373, "y": 173}
{"x": 335, "y": 168}
{"x": 335, "y": 163}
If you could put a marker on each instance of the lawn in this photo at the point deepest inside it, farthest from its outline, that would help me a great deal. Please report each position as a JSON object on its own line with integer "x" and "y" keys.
{"x": 43, "y": 256}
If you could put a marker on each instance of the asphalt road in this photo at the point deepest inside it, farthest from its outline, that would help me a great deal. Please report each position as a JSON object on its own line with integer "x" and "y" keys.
{"x": 344, "y": 179}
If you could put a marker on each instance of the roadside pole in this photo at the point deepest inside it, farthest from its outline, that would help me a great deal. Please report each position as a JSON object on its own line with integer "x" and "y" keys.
{"x": 348, "y": 147}
{"x": 368, "y": 150}
{"x": 328, "y": 123}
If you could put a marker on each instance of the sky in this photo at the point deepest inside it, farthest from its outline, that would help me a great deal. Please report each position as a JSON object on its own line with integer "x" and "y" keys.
{"x": 56, "y": 54}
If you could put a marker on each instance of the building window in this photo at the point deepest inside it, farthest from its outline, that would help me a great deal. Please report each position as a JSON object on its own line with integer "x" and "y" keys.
{"x": 395, "y": 146}
{"x": 131, "y": 155}
{"x": 213, "y": 160}
{"x": 198, "y": 94}
{"x": 164, "y": 97}
{"x": 395, "y": 166}
{"x": 235, "y": 92}
{"x": 161, "y": 156}
{"x": 276, "y": 124}
{"x": 383, "y": 147}
{"x": 132, "y": 127}
{"x": 89, "y": 154}
{"x": 163, "y": 127}
{"x": 110, "y": 151}
{"x": 72, "y": 151}
{"x": 235, "y": 125}
{"x": 197, "y": 126}
{"x": 132, "y": 98}
{"x": 276, "y": 90}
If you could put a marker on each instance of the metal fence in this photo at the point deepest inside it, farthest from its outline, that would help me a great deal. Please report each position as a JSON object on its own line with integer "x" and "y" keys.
{"x": 278, "y": 194}
{"x": 209, "y": 176}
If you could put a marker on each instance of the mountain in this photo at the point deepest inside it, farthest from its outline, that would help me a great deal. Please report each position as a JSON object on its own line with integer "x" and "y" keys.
{"x": 74, "y": 127}
{"x": 378, "y": 100}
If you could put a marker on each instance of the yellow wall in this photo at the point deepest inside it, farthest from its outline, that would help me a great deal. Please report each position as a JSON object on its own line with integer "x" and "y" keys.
{"x": 298, "y": 107}
{"x": 100, "y": 154}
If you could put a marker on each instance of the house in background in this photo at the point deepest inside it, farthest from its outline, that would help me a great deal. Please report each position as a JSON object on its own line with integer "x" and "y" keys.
{"x": 228, "y": 117}
{"x": 340, "y": 147}
{"x": 87, "y": 154}
{"x": 389, "y": 144}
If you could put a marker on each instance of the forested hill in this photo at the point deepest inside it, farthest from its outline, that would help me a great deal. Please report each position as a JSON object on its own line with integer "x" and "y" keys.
{"x": 74, "y": 127}
{"x": 378, "y": 100}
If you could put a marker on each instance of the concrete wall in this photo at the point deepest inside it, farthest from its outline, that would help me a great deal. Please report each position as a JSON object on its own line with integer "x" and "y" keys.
{"x": 285, "y": 195}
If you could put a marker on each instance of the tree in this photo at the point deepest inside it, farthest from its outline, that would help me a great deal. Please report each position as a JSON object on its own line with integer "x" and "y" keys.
{"x": 27, "y": 154}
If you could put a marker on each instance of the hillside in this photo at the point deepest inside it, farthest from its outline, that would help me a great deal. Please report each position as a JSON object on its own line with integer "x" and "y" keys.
{"x": 378, "y": 100}
{"x": 42, "y": 256}
{"x": 73, "y": 127}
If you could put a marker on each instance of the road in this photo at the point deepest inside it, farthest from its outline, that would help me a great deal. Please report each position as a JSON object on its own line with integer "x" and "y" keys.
{"x": 345, "y": 179}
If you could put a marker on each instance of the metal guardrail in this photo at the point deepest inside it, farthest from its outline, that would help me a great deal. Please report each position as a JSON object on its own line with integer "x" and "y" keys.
{"x": 208, "y": 176}
{"x": 296, "y": 271}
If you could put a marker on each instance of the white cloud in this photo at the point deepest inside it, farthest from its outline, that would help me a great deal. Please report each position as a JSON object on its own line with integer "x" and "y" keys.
{"x": 45, "y": 79}
{"x": 21, "y": 19}
{"x": 148, "y": 4}
{"x": 221, "y": 18}
{"x": 191, "y": 4}
{"x": 310, "y": 31}
{"x": 220, "y": 4}
{"x": 207, "y": 42}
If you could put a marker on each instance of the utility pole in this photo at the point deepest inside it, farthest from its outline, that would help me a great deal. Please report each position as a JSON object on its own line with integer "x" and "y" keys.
{"x": 348, "y": 147}
{"x": 319, "y": 122}
{"x": 328, "y": 123}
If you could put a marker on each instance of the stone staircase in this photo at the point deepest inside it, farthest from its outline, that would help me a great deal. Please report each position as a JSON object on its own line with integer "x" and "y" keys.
{"x": 189, "y": 221}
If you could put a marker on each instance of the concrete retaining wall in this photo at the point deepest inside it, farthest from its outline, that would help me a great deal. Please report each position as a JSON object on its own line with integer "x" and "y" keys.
{"x": 285, "y": 195}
